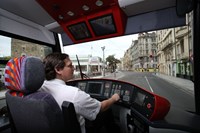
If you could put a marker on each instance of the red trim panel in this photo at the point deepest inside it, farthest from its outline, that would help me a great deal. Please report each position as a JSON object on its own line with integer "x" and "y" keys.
{"x": 59, "y": 9}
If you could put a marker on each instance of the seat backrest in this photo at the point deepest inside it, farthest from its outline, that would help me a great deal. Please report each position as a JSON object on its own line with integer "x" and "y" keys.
{"x": 31, "y": 111}
{"x": 70, "y": 117}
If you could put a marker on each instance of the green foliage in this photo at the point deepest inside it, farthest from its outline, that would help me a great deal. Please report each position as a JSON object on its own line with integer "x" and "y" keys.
{"x": 5, "y": 58}
{"x": 112, "y": 62}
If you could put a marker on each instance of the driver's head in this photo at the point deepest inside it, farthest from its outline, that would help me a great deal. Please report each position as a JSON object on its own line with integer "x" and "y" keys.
{"x": 58, "y": 65}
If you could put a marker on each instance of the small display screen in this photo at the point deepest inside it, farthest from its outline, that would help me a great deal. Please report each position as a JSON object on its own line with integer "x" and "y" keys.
{"x": 103, "y": 25}
{"x": 79, "y": 31}
{"x": 139, "y": 99}
{"x": 95, "y": 88}
{"x": 82, "y": 85}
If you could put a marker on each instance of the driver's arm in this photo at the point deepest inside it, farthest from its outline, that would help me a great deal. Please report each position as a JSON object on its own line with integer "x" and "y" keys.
{"x": 107, "y": 103}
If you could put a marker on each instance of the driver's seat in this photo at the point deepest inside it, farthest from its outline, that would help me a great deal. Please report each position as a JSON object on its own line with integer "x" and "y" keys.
{"x": 31, "y": 111}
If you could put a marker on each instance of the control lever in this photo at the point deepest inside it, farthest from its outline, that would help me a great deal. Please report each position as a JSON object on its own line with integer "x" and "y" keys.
{"x": 121, "y": 96}
{"x": 129, "y": 123}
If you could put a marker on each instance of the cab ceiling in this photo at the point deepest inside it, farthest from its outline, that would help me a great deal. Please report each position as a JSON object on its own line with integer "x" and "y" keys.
{"x": 31, "y": 10}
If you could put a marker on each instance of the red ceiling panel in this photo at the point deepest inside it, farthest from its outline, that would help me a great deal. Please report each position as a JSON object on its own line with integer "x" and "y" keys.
{"x": 59, "y": 9}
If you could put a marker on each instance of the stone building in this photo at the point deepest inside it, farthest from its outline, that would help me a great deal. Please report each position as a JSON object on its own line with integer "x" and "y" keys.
{"x": 23, "y": 48}
{"x": 143, "y": 55}
{"x": 127, "y": 61}
{"x": 166, "y": 51}
{"x": 175, "y": 50}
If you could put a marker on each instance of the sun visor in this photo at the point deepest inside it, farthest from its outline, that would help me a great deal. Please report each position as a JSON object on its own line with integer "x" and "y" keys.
{"x": 152, "y": 21}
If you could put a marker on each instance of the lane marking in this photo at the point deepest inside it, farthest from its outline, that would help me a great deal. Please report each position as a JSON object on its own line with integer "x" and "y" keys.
{"x": 148, "y": 84}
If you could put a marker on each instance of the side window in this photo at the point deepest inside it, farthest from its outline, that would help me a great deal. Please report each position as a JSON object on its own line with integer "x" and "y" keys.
{"x": 10, "y": 48}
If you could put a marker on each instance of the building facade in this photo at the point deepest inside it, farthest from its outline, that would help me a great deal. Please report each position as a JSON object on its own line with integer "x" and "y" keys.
{"x": 166, "y": 51}
{"x": 90, "y": 65}
{"x": 127, "y": 60}
{"x": 175, "y": 50}
{"x": 142, "y": 53}
{"x": 23, "y": 48}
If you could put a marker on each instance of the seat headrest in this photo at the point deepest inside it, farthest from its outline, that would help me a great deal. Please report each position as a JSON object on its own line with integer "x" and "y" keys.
{"x": 24, "y": 74}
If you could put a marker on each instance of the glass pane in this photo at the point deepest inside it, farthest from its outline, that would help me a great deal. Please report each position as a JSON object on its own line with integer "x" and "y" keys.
{"x": 10, "y": 48}
{"x": 103, "y": 25}
{"x": 79, "y": 31}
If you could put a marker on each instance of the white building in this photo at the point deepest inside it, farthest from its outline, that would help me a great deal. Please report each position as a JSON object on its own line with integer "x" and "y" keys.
{"x": 90, "y": 65}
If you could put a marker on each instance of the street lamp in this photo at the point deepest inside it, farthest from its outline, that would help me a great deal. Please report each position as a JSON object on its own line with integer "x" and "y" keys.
{"x": 103, "y": 48}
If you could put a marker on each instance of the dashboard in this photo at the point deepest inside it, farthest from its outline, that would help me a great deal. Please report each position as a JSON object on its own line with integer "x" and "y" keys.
{"x": 143, "y": 105}
{"x": 138, "y": 110}
{"x": 105, "y": 89}
{"x": 149, "y": 105}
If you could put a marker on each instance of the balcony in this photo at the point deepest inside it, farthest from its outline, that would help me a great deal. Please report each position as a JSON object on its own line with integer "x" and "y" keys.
{"x": 181, "y": 32}
{"x": 167, "y": 43}
{"x": 182, "y": 56}
{"x": 142, "y": 55}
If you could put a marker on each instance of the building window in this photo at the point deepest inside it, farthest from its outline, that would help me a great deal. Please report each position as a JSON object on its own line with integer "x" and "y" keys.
{"x": 23, "y": 48}
{"x": 182, "y": 46}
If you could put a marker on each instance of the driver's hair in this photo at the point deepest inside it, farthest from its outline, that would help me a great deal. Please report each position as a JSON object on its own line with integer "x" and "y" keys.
{"x": 54, "y": 61}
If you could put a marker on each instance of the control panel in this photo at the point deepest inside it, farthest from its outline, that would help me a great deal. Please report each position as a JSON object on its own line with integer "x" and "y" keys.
{"x": 148, "y": 105}
{"x": 106, "y": 89}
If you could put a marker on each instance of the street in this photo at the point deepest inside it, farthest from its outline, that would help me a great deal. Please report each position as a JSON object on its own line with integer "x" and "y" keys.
{"x": 176, "y": 95}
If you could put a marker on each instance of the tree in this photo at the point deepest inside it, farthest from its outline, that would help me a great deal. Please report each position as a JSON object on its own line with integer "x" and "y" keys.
{"x": 112, "y": 62}
{"x": 5, "y": 58}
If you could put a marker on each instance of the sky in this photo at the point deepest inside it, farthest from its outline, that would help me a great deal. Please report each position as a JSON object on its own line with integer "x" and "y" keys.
{"x": 115, "y": 46}
{"x": 5, "y": 46}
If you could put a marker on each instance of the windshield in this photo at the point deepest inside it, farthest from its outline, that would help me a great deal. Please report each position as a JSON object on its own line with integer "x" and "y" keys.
{"x": 159, "y": 61}
{"x": 146, "y": 51}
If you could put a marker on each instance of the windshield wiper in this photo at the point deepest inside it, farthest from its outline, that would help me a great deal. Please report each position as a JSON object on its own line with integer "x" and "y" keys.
{"x": 83, "y": 75}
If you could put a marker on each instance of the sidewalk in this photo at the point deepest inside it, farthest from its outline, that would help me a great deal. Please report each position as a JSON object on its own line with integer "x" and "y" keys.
{"x": 186, "y": 84}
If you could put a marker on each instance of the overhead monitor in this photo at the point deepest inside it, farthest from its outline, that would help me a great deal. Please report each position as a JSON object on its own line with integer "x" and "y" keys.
{"x": 103, "y": 25}
{"x": 79, "y": 31}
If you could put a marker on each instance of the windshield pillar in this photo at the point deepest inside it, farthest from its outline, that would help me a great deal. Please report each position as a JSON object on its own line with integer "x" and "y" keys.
{"x": 196, "y": 38}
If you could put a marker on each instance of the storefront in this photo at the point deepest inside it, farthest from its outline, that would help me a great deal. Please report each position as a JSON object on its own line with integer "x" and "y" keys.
{"x": 184, "y": 69}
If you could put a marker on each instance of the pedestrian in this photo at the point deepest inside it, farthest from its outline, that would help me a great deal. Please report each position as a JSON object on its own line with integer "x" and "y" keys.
{"x": 58, "y": 70}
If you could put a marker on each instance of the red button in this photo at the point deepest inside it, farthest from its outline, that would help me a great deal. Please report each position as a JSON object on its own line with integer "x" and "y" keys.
{"x": 148, "y": 105}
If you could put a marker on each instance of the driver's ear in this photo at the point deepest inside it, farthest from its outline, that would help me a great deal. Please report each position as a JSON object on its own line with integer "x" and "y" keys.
{"x": 58, "y": 71}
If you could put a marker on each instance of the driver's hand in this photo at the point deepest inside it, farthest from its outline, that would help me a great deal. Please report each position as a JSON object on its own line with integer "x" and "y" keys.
{"x": 115, "y": 97}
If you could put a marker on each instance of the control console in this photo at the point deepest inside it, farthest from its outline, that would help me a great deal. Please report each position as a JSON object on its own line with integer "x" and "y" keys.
{"x": 147, "y": 104}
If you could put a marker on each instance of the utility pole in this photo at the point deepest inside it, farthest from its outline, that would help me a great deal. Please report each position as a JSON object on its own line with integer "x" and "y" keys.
{"x": 103, "y": 48}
